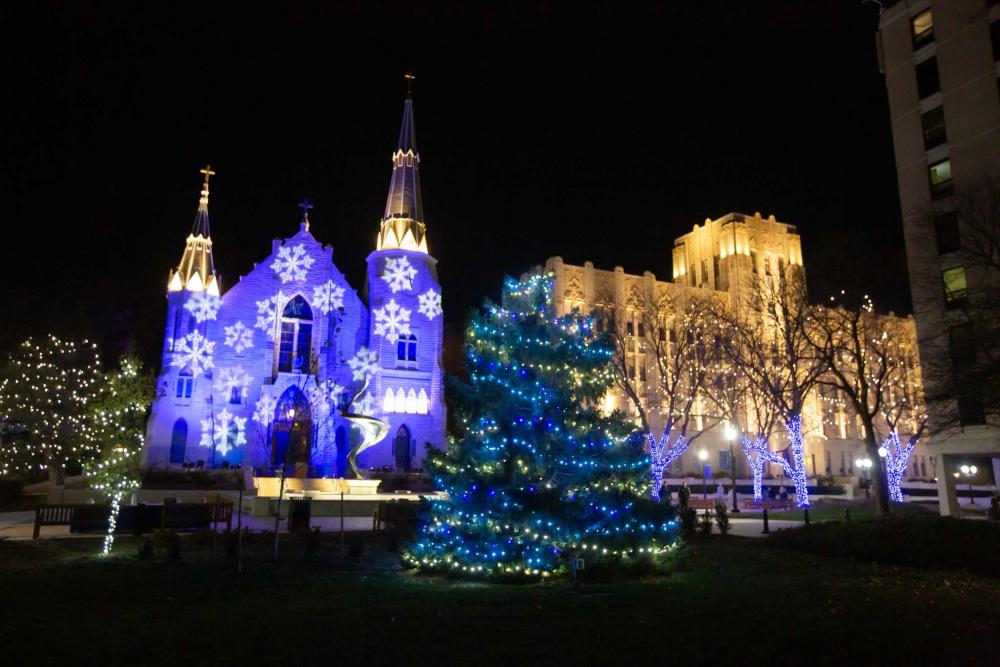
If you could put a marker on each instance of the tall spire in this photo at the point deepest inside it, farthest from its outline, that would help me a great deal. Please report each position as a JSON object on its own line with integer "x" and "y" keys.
{"x": 196, "y": 272}
{"x": 403, "y": 221}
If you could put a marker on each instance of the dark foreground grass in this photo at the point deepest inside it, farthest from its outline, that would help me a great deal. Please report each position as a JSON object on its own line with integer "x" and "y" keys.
{"x": 941, "y": 543}
{"x": 738, "y": 602}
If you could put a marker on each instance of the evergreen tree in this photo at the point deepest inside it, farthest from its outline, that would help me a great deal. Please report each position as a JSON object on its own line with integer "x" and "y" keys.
{"x": 539, "y": 476}
{"x": 44, "y": 403}
{"x": 118, "y": 424}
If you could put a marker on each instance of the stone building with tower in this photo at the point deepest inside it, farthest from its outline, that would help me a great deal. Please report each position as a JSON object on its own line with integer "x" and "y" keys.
{"x": 261, "y": 372}
{"x": 723, "y": 258}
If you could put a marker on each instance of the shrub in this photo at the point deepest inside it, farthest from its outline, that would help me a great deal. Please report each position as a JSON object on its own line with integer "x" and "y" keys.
{"x": 356, "y": 549}
{"x": 722, "y": 518}
{"x": 171, "y": 542}
{"x": 935, "y": 542}
{"x": 688, "y": 519}
{"x": 145, "y": 550}
{"x": 705, "y": 523}
{"x": 638, "y": 566}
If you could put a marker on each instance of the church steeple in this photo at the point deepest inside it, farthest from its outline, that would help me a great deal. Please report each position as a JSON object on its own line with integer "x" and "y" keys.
{"x": 403, "y": 221}
{"x": 196, "y": 272}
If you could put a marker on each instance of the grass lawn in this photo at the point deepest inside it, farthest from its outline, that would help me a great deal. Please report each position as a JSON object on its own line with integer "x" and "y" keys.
{"x": 737, "y": 601}
{"x": 833, "y": 510}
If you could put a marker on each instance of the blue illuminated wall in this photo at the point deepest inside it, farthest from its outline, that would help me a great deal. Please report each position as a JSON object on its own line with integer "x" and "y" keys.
{"x": 234, "y": 365}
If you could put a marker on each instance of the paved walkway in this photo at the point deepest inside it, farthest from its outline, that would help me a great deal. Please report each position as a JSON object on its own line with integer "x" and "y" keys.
{"x": 20, "y": 525}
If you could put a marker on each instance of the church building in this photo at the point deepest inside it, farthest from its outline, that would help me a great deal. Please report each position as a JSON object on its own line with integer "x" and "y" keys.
{"x": 261, "y": 373}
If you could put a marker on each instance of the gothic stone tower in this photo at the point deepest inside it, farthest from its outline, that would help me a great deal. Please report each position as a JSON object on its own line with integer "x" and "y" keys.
{"x": 404, "y": 297}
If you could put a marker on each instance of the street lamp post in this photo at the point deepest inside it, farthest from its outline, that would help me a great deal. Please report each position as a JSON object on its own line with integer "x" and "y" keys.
{"x": 731, "y": 434}
{"x": 703, "y": 456}
{"x": 969, "y": 472}
{"x": 865, "y": 464}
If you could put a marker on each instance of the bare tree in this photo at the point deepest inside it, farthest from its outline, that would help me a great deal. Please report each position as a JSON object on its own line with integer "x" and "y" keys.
{"x": 901, "y": 404}
{"x": 955, "y": 263}
{"x": 861, "y": 355}
{"x": 679, "y": 337}
{"x": 770, "y": 346}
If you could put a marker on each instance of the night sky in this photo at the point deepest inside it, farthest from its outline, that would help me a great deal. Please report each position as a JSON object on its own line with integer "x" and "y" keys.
{"x": 592, "y": 136}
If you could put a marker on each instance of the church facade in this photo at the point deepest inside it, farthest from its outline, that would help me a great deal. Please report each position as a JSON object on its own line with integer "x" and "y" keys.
{"x": 261, "y": 374}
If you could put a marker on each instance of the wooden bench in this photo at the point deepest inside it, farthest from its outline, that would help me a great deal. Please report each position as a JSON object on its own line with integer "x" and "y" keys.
{"x": 52, "y": 515}
{"x": 702, "y": 503}
{"x": 135, "y": 519}
{"x": 767, "y": 504}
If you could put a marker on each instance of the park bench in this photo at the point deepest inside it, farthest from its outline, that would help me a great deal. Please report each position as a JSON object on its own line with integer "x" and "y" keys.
{"x": 135, "y": 519}
{"x": 702, "y": 503}
{"x": 52, "y": 515}
{"x": 768, "y": 504}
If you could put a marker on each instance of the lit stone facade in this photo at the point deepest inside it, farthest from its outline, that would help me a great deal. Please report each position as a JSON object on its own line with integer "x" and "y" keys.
{"x": 723, "y": 257}
{"x": 264, "y": 367}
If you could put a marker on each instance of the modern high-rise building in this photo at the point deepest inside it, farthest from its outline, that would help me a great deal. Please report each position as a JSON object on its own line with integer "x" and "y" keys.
{"x": 941, "y": 60}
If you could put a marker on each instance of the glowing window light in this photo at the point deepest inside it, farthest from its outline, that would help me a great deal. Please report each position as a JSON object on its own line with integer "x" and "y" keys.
{"x": 389, "y": 402}
{"x": 423, "y": 405}
{"x": 411, "y": 402}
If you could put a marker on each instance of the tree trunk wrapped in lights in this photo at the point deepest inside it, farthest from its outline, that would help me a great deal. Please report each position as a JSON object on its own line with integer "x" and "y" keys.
{"x": 118, "y": 422}
{"x": 767, "y": 340}
{"x": 681, "y": 338}
{"x": 539, "y": 475}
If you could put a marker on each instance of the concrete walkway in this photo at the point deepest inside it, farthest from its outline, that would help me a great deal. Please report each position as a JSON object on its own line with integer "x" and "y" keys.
{"x": 753, "y": 527}
{"x": 20, "y": 525}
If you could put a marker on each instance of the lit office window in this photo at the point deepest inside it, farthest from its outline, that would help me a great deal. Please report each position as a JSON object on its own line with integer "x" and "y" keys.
{"x": 922, "y": 27}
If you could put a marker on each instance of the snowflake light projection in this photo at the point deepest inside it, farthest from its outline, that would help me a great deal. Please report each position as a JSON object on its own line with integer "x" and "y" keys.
{"x": 399, "y": 274}
{"x": 363, "y": 364}
{"x": 292, "y": 263}
{"x": 364, "y": 404}
{"x": 430, "y": 304}
{"x": 239, "y": 337}
{"x": 327, "y": 297}
{"x": 203, "y": 306}
{"x": 263, "y": 412}
{"x": 267, "y": 310}
{"x": 392, "y": 321}
{"x": 195, "y": 352}
{"x": 226, "y": 433}
{"x": 228, "y": 379}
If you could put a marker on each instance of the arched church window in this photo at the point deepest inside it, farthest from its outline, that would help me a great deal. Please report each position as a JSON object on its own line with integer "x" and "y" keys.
{"x": 406, "y": 352}
{"x": 185, "y": 383}
{"x": 389, "y": 402}
{"x": 295, "y": 344}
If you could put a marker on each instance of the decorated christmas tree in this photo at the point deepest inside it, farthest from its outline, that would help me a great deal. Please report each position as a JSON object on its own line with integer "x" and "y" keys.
{"x": 540, "y": 477}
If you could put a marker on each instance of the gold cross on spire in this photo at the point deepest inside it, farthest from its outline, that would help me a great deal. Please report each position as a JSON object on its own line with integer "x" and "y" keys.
{"x": 204, "y": 188}
{"x": 208, "y": 173}
{"x": 409, "y": 82}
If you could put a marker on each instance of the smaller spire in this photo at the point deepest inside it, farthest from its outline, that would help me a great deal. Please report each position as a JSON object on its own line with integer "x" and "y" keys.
{"x": 200, "y": 227}
{"x": 196, "y": 272}
{"x": 306, "y": 206}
